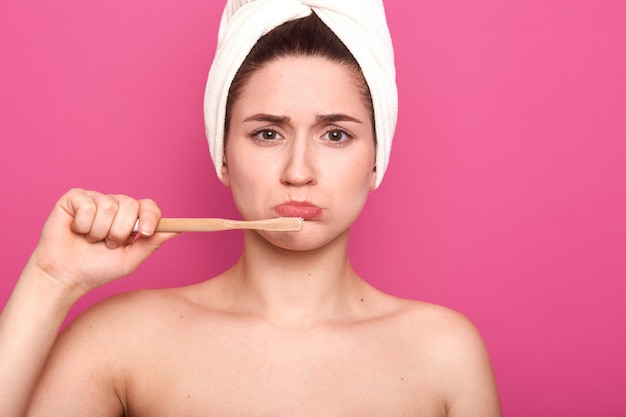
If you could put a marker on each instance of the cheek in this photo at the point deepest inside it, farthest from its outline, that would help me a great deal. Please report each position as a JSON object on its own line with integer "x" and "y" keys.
{"x": 248, "y": 181}
{"x": 363, "y": 169}
{"x": 356, "y": 182}
{"x": 239, "y": 162}
{"x": 242, "y": 182}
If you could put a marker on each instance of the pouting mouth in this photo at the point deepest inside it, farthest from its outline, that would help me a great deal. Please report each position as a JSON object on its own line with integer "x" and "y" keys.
{"x": 304, "y": 209}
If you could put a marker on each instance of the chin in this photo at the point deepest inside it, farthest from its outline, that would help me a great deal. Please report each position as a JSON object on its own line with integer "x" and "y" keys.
{"x": 302, "y": 241}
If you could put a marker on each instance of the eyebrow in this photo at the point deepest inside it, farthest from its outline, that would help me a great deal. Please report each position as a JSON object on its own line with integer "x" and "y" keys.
{"x": 330, "y": 118}
{"x": 326, "y": 118}
{"x": 271, "y": 118}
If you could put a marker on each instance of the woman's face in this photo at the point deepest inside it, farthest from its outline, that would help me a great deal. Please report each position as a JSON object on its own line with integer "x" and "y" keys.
{"x": 301, "y": 144}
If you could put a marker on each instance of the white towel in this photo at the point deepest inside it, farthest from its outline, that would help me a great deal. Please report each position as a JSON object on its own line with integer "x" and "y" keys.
{"x": 360, "y": 24}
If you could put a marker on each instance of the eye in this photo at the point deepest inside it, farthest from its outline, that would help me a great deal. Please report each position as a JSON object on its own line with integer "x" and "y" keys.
{"x": 266, "y": 134}
{"x": 337, "y": 135}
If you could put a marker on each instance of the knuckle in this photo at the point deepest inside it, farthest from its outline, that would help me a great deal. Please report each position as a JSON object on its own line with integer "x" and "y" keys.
{"x": 108, "y": 205}
{"x": 133, "y": 204}
{"x": 74, "y": 191}
{"x": 89, "y": 208}
{"x": 148, "y": 205}
{"x": 126, "y": 201}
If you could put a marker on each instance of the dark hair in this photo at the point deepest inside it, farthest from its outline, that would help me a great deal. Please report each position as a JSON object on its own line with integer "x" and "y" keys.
{"x": 307, "y": 36}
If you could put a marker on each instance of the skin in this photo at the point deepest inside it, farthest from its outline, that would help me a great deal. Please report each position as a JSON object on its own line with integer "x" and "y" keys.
{"x": 290, "y": 329}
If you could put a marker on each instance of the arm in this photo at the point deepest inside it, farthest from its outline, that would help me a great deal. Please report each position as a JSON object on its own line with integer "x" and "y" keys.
{"x": 86, "y": 242}
{"x": 473, "y": 390}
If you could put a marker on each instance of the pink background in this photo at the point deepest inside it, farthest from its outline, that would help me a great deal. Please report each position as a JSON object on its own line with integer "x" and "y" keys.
{"x": 505, "y": 198}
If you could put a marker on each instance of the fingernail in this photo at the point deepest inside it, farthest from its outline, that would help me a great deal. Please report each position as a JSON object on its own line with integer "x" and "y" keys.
{"x": 111, "y": 244}
{"x": 146, "y": 228}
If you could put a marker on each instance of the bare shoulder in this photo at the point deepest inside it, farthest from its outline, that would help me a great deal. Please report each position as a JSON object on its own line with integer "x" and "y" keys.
{"x": 138, "y": 313}
{"x": 448, "y": 345}
{"x": 116, "y": 328}
{"x": 445, "y": 338}
{"x": 446, "y": 328}
{"x": 93, "y": 356}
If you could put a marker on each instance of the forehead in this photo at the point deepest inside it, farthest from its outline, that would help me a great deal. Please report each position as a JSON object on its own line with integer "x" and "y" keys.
{"x": 303, "y": 83}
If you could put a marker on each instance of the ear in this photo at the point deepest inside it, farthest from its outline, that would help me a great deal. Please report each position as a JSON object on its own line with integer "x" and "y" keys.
{"x": 225, "y": 173}
{"x": 373, "y": 179}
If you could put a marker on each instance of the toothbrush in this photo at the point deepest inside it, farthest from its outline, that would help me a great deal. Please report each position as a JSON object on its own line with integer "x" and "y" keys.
{"x": 280, "y": 224}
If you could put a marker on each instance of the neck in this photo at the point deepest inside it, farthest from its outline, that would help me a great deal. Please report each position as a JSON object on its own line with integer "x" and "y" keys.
{"x": 296, "y": 288}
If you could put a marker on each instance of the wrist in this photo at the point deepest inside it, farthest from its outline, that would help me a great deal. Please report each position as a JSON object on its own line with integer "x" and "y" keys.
{"x": 47, "y": 290}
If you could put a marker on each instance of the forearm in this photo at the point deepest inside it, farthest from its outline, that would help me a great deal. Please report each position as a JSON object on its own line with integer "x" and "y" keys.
{"x": 29, "y": 325}
{"x": 77, "y": 252}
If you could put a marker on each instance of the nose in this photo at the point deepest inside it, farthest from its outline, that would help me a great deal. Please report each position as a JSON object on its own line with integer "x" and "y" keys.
{"x": 299, "y": 166}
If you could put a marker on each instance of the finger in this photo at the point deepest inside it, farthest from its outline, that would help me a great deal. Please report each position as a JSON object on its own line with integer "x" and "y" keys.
{"x": 149, "y": 216}
{"x": 81, "y": 207}
{"x": 123, "y": 222}
{"x": 106, "y": 209}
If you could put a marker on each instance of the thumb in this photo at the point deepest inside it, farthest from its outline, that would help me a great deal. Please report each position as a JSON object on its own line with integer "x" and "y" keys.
{"x": 142, "y": 247}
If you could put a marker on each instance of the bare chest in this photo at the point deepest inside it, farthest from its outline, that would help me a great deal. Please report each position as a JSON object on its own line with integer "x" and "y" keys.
{"x": 256, "y": 372}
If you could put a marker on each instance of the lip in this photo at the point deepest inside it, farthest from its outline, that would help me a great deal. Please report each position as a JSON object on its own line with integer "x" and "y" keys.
{"x": 304, "y": 209}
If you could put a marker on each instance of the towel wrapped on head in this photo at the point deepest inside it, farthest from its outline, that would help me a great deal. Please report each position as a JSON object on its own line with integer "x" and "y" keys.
{"x": 360, "y": 24}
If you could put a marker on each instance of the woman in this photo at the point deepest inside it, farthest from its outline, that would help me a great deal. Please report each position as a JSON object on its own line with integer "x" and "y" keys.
{"x": 290, "y": 329}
